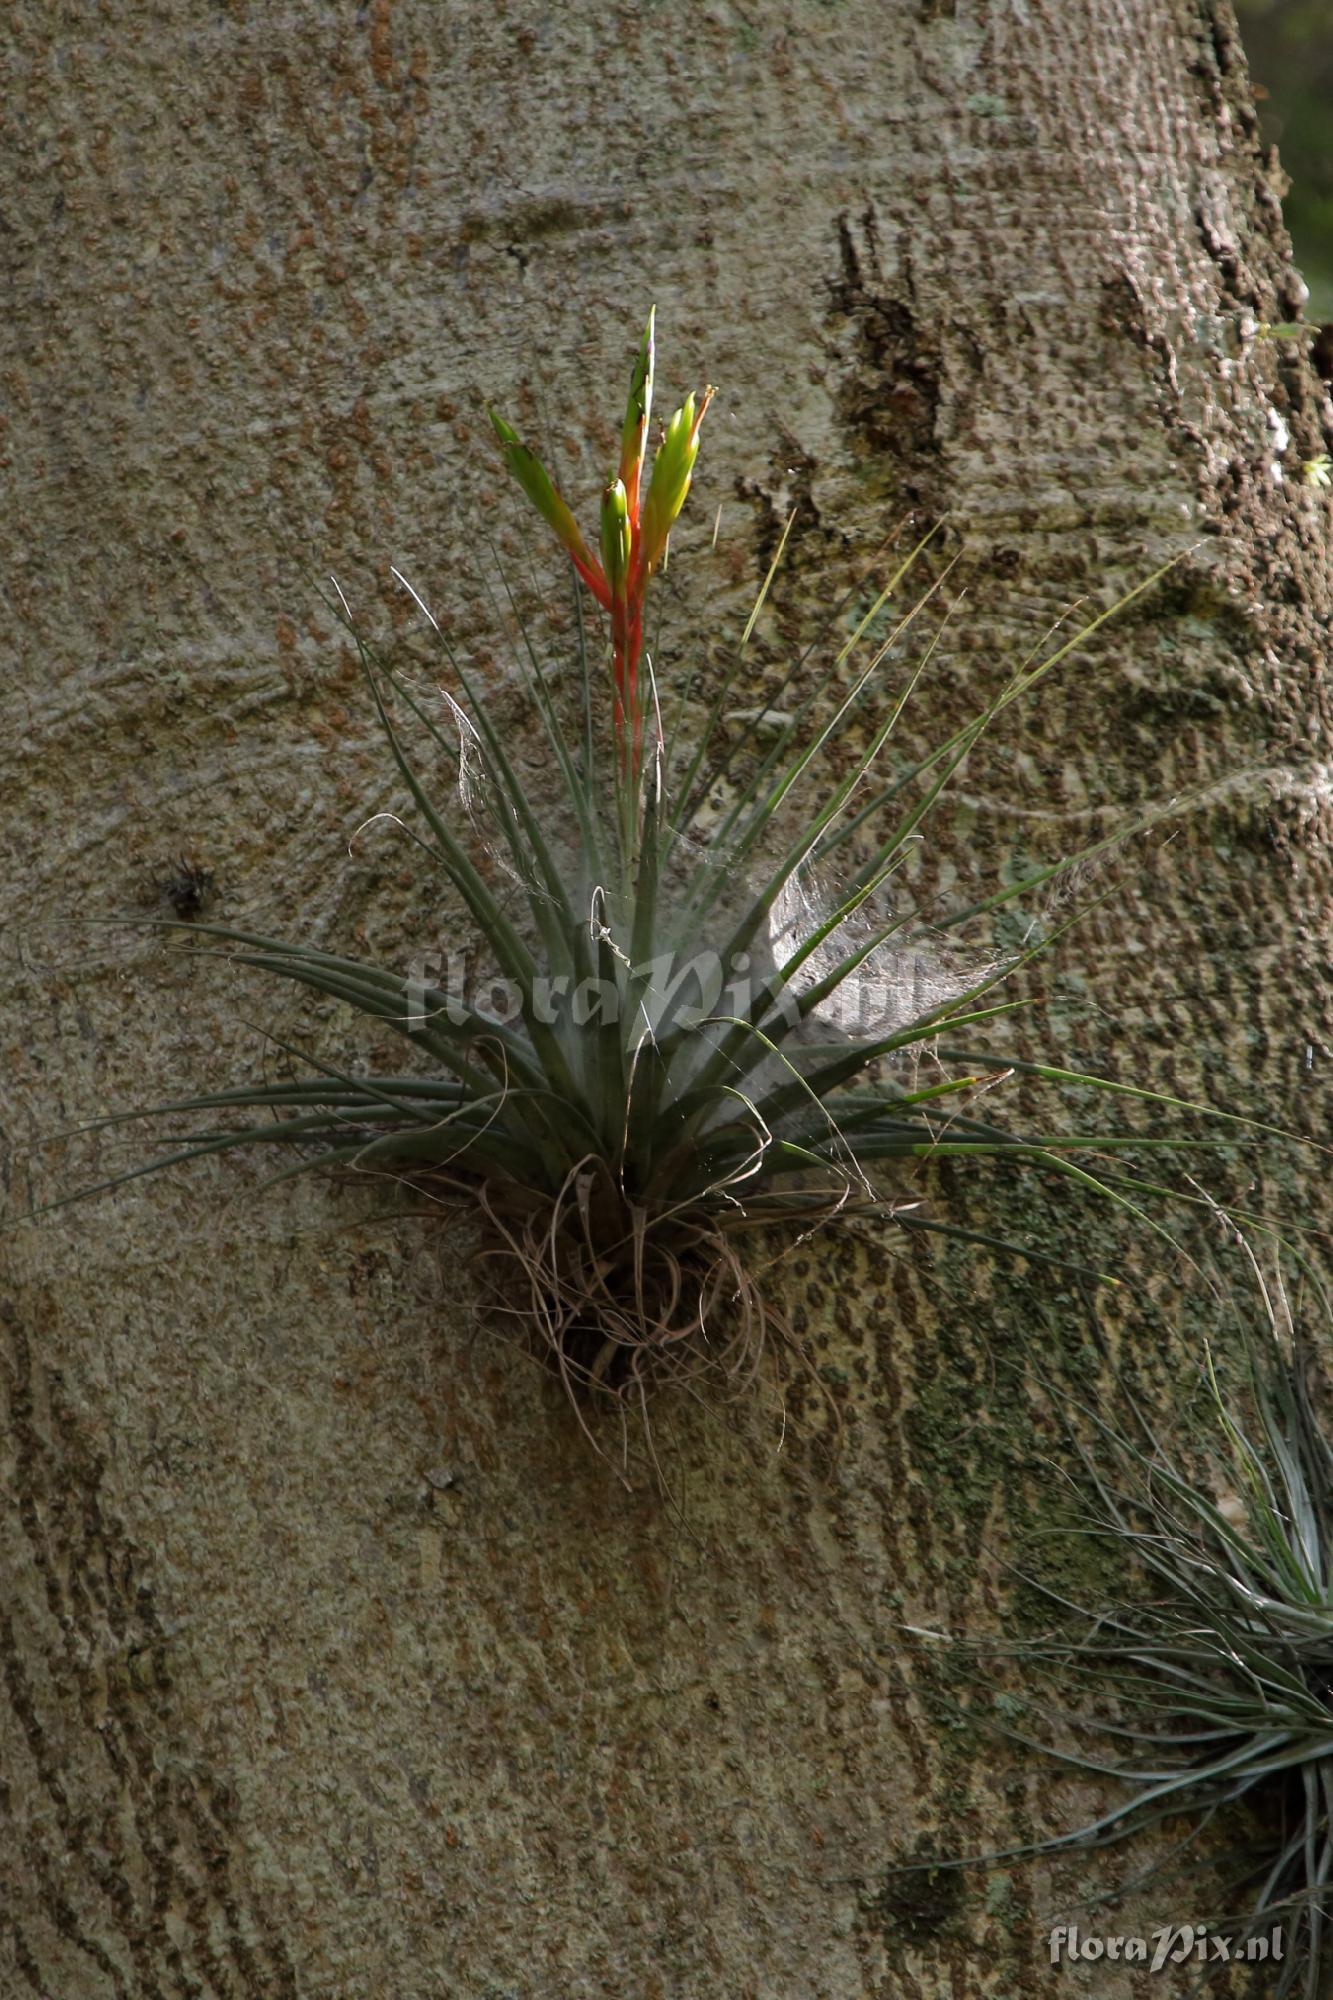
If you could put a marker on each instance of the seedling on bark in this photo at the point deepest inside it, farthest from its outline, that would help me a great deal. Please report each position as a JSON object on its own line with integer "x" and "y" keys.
{"x": 1208, "y": 1687}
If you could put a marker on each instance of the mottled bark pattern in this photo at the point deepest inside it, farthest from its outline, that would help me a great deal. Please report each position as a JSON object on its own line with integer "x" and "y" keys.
{"x": 333, "y": 1663}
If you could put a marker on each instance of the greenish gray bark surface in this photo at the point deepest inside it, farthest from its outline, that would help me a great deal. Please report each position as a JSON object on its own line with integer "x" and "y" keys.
{"x": 333, "y": 1662}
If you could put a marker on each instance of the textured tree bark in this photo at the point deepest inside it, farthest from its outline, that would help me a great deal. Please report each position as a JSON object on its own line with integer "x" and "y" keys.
{"x": 334, "y": 1664}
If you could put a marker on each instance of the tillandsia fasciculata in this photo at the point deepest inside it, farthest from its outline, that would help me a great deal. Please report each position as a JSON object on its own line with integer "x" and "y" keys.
{"x": 693, "y": 1046}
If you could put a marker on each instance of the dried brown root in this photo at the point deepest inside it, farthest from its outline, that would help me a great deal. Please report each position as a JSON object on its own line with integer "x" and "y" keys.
{"x": 623, "y": 1299}
{"x": 627, "y": 1301}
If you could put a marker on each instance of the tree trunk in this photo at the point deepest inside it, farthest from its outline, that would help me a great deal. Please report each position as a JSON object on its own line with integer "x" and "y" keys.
{"x": 334, "y": 1662}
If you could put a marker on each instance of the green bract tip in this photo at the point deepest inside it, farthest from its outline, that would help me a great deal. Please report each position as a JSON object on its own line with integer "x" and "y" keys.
{"x": 616, "y": 536}
{"x": 672, "y": 471}
{"x": 637, "y": 413}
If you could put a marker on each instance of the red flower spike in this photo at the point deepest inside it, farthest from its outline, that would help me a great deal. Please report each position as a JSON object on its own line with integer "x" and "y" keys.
{"x": 633, "y": 540}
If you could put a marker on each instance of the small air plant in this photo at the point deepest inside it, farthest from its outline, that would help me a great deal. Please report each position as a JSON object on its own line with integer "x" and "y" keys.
{"x": 1220, "y": 1670}
{"x": 680, "y": 1065}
